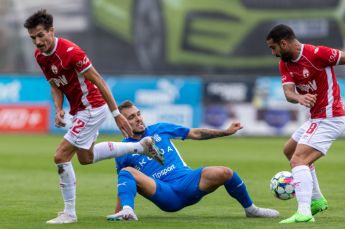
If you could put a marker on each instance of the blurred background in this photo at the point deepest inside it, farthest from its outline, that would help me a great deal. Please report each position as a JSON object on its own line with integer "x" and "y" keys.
{"x": 199, "y": 63}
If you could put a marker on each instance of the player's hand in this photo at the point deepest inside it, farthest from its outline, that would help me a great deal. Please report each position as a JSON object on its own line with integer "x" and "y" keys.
{"x": 233, "y": 128}
{"x": 124, "y": 126}
{"x": 307, "y": 100}
{"x": 59, "y": 119}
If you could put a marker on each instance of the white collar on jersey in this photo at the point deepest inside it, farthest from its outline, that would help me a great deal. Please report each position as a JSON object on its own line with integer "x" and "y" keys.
{"x": 300, "y": 54}
{"x": 54, "y": 49}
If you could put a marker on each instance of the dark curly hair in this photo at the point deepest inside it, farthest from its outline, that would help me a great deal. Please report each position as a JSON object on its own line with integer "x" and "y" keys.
{"x": 281, "y": 32}
{"x": 41, "y": 17}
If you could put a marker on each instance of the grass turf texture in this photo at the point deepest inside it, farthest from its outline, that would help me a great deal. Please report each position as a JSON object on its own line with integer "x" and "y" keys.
{"x": 30, "y": 195}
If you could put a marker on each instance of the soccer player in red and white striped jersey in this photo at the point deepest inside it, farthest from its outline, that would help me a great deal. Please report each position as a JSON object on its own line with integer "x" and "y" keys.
{"x": 71, "y": 74}
{"x": 308, "y": 78}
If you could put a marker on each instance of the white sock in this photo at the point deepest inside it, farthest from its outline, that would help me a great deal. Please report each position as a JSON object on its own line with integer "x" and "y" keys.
{"x": 106, "y": 150}
{"x": 303, "y": 183}
{"x": 316, "y": 194}
{"x": 252, "y": 208}
{"x": 67, "y": 186}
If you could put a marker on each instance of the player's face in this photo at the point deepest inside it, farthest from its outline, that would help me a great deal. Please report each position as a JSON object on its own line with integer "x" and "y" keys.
{"x": 281, "y": 50}
{"x": 135, "y": 119}
{"x": 43, "y": 39}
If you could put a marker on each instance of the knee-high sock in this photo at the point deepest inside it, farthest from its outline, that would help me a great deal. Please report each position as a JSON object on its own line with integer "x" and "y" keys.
{"x": 316, "y": 194}
{"x": 303, "y": 183}
{"x": 106, "y": 150}
{"x": 126, "y": 188}
{"x": 67, "y": 186}
{"x": 237, "y": 189}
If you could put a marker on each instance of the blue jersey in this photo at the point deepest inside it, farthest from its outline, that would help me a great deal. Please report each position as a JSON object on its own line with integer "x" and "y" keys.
{"x": 174, "y": 166}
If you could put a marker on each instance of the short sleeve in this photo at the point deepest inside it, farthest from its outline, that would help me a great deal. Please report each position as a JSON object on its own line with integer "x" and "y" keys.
{"x": 78, "y": 59}
{"x": 285, "y": 74}
{"x": 173, "y": 130}
{"x": 325, "y": 56}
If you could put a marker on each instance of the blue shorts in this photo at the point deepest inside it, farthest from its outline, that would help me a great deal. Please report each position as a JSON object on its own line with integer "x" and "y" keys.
{"x": 174, "y": 195}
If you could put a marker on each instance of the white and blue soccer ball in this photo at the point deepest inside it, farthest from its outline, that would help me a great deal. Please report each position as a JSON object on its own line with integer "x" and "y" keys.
{"x": 282, "y": 185}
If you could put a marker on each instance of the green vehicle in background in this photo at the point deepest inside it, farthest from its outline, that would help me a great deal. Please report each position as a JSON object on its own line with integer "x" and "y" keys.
{"x": 210, "y": 34}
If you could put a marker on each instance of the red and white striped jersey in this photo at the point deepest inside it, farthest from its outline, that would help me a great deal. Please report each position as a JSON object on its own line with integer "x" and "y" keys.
{"x": 64, "y": 67}
{"x": 312, "y": 72}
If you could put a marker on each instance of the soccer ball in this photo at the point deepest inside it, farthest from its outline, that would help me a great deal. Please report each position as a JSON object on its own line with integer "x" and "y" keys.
{"x": 281, "y": 185}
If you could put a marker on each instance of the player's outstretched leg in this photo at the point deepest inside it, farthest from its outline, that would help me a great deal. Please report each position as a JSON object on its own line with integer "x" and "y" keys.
{"x": 63, "y": 218}
{"x": 238, "y": 190}
{"x": 254, "y": 211}
{"x": 151, "y": 150}
{"x": 106, "y": 150}
{"x": 127, "y": 213}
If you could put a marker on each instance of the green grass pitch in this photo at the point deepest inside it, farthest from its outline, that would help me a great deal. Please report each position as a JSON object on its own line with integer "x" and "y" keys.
{"x": 30, "y": 195}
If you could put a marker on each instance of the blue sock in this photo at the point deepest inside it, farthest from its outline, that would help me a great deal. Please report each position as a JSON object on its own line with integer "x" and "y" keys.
{"x": 237, "y": 189}
{"x": 126, "y": 188}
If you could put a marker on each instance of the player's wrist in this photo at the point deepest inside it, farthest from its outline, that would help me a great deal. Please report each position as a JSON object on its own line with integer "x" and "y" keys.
{"x": 115, "y": 113}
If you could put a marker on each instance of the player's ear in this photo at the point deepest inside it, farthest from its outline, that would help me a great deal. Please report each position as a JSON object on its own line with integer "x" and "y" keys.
{"x": 283, "y": 43}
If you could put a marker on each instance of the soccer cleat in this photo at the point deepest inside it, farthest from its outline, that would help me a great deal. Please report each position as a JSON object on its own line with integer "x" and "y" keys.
{"x": 299, "y": 218}
{"x": 151, "y": 150}
{"x": 126, "y": 213}
{"x": 63, "y": 218}
{"x": 318, "y": 205}
{"x": 262, "y": 213}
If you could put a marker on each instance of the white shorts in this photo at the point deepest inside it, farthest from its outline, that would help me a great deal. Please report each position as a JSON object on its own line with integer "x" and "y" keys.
{"x": 85, "y": 125}
{"x": 320, "y": 133}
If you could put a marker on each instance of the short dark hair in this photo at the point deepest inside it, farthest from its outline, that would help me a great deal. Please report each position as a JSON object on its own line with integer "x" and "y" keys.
{"x": 125, "y": 104}
{"x": 41, "y": 17}
{"x": 280, "y": 32}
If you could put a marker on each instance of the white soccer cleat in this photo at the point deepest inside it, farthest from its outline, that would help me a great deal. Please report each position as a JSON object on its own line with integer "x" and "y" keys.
{"x": 63, "y": 218}
{"x": 262, "y": 213}
{"x": 126, "y": 213}
{"x": 151, "y": 150}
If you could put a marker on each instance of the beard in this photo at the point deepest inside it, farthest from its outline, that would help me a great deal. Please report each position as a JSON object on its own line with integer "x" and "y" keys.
{"x": 286, "y": 57}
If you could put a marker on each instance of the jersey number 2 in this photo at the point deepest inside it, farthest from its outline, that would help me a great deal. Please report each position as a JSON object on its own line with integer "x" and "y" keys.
{"x": 77, "y": 126}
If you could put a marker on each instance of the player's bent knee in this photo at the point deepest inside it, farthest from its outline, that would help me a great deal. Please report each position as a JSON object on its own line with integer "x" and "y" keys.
{"x": 85, "y": 161}
{"x": 85, "y": 157}
{"x": 296, "y": 161}
{"x": 226, "y": 173}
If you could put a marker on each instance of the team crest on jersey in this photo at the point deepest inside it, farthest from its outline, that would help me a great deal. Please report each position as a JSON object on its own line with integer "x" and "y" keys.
{"x": 157, "y": 138}
{"x": 305, "y": 73}
{"x": 54, "y": 69}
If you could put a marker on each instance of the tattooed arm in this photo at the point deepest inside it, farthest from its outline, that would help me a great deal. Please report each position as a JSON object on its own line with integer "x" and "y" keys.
{"x": 204, "y": 133}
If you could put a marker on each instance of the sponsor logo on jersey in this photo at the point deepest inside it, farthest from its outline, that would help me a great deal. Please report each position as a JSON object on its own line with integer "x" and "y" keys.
{"x": 70, "y": 49}
{"x": 164, "y": 171}
{"x": 305, "y": 73}
{"x": 60, "y": 80}
{"x": 54, "y": 69}
{"x": 310, "y": 86}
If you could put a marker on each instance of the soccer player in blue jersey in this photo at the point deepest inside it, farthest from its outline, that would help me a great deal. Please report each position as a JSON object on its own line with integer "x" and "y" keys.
{"x": 174, "y": 186}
